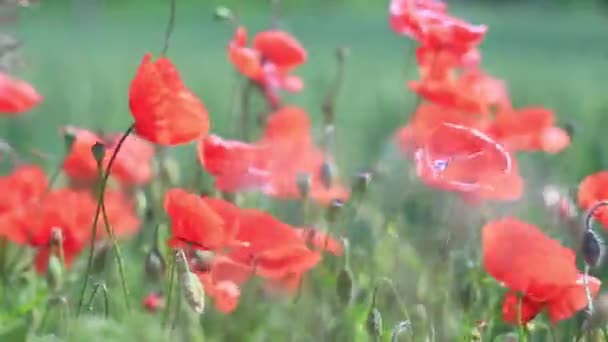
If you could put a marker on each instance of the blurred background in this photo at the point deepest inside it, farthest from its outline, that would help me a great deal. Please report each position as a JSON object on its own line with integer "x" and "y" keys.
{"x": 82, "y": 54}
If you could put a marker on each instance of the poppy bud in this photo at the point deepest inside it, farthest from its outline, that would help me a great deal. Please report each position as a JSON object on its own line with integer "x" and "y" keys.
{"x": 202, "y": 261}
{"x": 154, "y": 301}
{"x": 398, "y": 329}
{"x": 68, "y": 139}
{"x": 335, "y": 207}
{"x": 327, "y": 174}
{"x": 99, "y": 151}
{"x": 361, "y": 182}
{"x": 222, "y": 13}
{"x": 304, "y": 182}
{"x": 592, "y": 248}
{"x": 342, "y": 54}
{"x": 154, "y": 265}
{"x": 344, "y": 286}
{"x": 194, "y": 291}
{"x": 54, "y": 273}
{"x": 374, "y": 324}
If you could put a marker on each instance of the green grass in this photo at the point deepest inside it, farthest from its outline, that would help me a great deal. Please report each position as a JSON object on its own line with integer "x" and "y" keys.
{"x": 548, "y": 56}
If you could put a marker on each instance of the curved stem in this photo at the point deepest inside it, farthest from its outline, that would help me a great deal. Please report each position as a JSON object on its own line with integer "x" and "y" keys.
{"x": 100, "y": 199}
{"x": 591, "y": 212}
{"x": 170, "y": 27}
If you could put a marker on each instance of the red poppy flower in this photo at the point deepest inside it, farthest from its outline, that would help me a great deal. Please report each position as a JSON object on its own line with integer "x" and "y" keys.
{"x": 133, "y": 164}
{"x": 274, "y": 55}
{"x": 166, "y": 112}
{"x": 193, "y": 221}
{"x": 529, "y": 129}
{"x": 464, "y": 159}
{"x": 17, "y": 96}
{"x": 471, "y": 91}
{"x": 272, "y": 164}
{"x": 24, "y": 187}
{"x": 522, "y": 258}
{"x": 593, "y": 189}
{"x": 245, "y": 242}
{"x": 428, "y": 22}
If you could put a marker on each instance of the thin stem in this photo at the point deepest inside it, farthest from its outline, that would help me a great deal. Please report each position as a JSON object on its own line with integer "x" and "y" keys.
{"x": 591, "y": 212}
{"x": 276, "y": 13}
{"x": 170, "y": 292}
{"x": 170, "y": 27}
{"x": 117, "y": 256}
{"x": 588, "y": 290}
{"x": 245, "y": 110}
{"x": 520, "y": 325}
{"x": 106, "y": 301}
{"x": 100, "y": 199}
{"x": 328, "y": 106}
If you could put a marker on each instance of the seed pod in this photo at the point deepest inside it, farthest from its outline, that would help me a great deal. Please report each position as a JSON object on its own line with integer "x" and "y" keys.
{"x": 194, "y": 291}
{"x": 327, "y": 174}
{"x": 361, "y": 182}
{"x": 398, "y": 329}
{"x": 344, "y": 286}
{"x": 374, "y": 324}
{"x": 154, "y": 265}
{"x": 99, "y": 151}
{"x": 54, "y": 273}
{"x": 304, "y": 183}
{"x": 592, "y": 248}
{"x": 335, "y": 206}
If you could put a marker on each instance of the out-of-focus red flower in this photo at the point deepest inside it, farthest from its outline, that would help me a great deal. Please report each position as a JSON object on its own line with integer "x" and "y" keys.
{"x": 528, "y": 262}
{"x": 428, "y": 22}
{"x": 154, "y": 302}
{"x": 593, "y": 189}
{"x": 17, "y": 96}
{"x": 23, "y": 188}
{"x": 273, "y": 163}
{"x": 271, "y": 59}
{"x": 121, "y": 214}
{"x": 529, "y": 129}
{"x": 133, "y": 164}
{"x": 166, "y": 112}
{"x": 471, "y": 91}
{"x": 460, "y": 158}
{"x": 244, "y": 243}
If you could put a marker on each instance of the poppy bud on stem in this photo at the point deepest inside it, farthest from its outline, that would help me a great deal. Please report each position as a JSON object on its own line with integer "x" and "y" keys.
{"x": 103, "y": 180}
{"x": 191, "y": 285}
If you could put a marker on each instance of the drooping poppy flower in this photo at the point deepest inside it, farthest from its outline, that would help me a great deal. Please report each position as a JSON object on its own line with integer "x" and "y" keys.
{"x": 529, "y": 129}
{"x": 133, "y": 164}
{"x": 166, "y": 112}
{"x": 17, "y": 96}
{"x": 593, "y": 189}
{"x": 270, "y": 61}
{"x": 273, "y": 163}
{"x": 540, "y": 269}
{"x": 464, "y": 159}
{"x": 428, "y": 22}
{"x": 24, "y": 187}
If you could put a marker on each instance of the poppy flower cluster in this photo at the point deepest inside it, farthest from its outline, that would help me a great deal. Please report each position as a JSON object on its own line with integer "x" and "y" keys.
{"x": 269, "y": 62}
{"x": 31, "y": 213}
{"x": 17, "y": 96}
{"x": 240, "y": 243}
{"x": 273, "y": 164}
{"x": 463, "y": 137}
{"x": 133, "y": 165}
{"x": 538, "y": 271}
